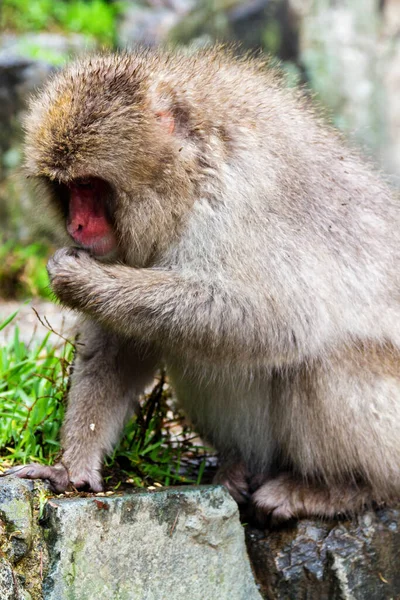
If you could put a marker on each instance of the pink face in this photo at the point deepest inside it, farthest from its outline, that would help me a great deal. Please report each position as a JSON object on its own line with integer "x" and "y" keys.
{"x": 88, "y": 223}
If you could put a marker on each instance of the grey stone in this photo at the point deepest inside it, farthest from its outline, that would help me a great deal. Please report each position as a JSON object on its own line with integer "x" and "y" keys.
{"x": 351, "y": 560}
{"x": 166, "y": 545}
{"x": 350, "y": 52}
{"x": 20, "y": 76}
{"x": 16, "y": 515}
{"x": 10, "y": 588}
{"x": 145, "y": 25}
{"x": 57, "y": 46}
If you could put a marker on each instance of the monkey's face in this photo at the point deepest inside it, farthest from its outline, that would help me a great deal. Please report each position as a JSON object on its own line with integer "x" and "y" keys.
{"x": 116, "y": 157}
{"x": 84, "y": 208}
{"x": 88, "y": 216}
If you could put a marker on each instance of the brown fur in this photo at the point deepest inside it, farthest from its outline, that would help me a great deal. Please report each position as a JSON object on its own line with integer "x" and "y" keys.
{"x": 258, "y": 258}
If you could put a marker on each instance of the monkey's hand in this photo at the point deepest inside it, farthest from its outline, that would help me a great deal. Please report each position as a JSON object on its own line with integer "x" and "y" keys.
{"x": 69, "y": 271}
{"x": 59, "y": 477}
{"x": 210, "y": 317}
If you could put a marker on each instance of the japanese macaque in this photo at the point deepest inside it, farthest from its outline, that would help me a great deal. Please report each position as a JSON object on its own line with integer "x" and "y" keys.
{"x": 219, "y": 226}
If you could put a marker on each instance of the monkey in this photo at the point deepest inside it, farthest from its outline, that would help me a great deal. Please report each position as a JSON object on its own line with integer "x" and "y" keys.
{"x": 219, "y": 225}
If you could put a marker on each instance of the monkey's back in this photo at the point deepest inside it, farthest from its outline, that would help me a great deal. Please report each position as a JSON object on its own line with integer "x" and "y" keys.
{"x": 277, "y": 194}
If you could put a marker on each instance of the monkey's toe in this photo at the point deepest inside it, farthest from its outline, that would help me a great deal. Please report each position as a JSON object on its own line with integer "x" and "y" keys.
{"x": 56, "y": 475}
{"x": 287, "y": 497}
{"x": 88, "y": 484}
{"x": 86, "y": 478}
{"x": 277, "y": 501}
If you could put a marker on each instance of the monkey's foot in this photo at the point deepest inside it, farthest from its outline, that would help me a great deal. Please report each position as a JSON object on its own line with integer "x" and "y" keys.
{"x": 59, "y": 477}
{"x": 286, "y": 498}
{"x": 234, "y": 477}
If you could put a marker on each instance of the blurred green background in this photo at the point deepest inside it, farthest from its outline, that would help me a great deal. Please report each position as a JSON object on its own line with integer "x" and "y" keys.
{"x": 347, "y": 52}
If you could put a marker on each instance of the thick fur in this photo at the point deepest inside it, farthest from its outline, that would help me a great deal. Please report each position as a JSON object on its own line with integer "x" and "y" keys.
{"x": 258, "y": 255}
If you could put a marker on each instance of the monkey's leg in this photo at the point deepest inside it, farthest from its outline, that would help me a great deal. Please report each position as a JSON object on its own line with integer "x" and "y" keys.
{"x": 107, "y": 378}
{"x": 286, "y": 497}
{"x": 339, "y": 431}
{"x": 234, "y": 476}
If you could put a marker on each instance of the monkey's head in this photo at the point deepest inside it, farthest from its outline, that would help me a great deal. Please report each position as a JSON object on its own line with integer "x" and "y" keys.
{"x": 114, "y": 150}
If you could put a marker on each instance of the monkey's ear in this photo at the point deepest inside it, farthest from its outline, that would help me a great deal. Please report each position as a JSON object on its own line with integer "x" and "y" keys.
{"x": 167, "y": 120}
{"x": 169, "y": 109}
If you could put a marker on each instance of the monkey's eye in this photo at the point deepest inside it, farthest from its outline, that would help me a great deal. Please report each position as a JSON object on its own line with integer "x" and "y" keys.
{"x": 84, "y": 184}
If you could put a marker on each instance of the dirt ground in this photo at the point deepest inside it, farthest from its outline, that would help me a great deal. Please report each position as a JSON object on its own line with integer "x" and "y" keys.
{"x": 32, "y": 325}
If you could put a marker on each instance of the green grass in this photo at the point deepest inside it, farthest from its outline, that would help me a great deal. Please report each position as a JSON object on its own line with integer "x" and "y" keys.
{"x": 23, "y": 271}
{"x": 95, "y": 18}
{"x": 33, "y": 380}
{"x": 157, "y": 446}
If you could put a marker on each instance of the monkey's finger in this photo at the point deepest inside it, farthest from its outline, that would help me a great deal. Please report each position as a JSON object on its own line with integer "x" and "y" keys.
{"x": 57, "y": 476}
{"x": 90, "y": 484}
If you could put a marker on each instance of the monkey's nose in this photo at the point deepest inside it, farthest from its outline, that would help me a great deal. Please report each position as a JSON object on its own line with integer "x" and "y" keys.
{"x": 75, "y": 226}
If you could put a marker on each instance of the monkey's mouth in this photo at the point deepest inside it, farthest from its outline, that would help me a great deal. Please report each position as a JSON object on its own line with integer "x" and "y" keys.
{"x": 88, "y": 216}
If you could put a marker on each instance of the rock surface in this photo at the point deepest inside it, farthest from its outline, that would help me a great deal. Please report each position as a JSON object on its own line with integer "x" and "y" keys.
{"x": 350, "y": 53}
{"x": 169, "y": 544}
{"x": 315, "y": 560}
{"x": 19, "y": 77}
{"x": 26, "y": 62}
{"x": 185, "y": 543}
{"x": 146, "y": 25}
{"x": 17, "y": 517}
{"x": 18, "y": 534}
{"x": 10, "y": 588}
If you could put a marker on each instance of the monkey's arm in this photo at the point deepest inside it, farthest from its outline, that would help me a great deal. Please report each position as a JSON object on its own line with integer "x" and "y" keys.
{"x": 108, "y": 375}
{"x": 176, "y": 312}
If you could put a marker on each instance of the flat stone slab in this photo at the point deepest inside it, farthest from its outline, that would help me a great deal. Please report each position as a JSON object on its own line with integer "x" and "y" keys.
{"x": 185, "y": 543}
{"x": 172, "y": 544}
